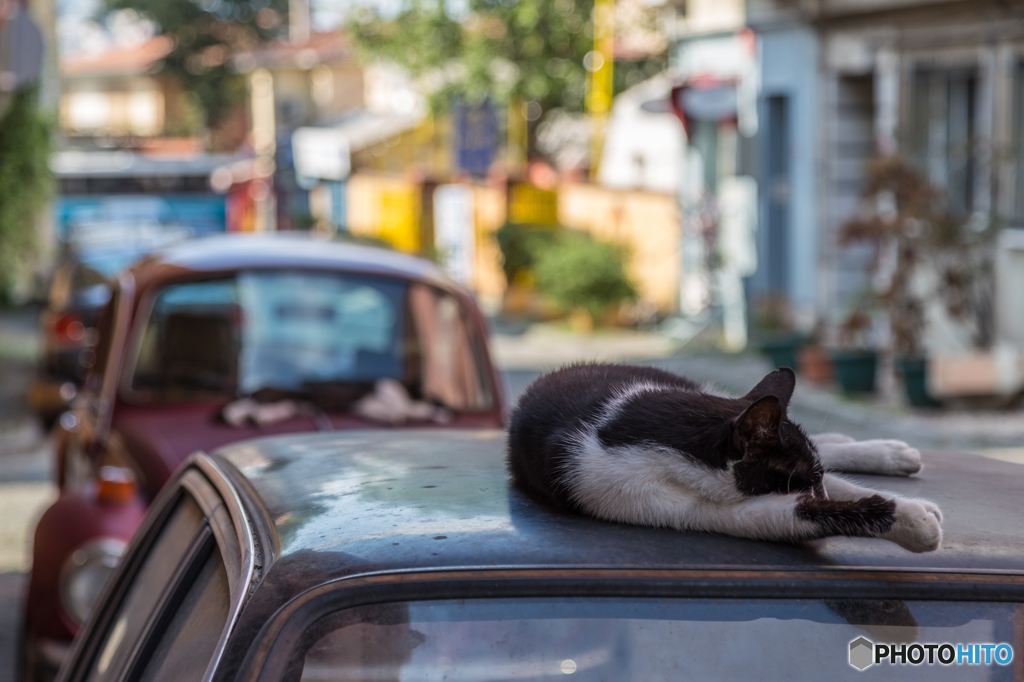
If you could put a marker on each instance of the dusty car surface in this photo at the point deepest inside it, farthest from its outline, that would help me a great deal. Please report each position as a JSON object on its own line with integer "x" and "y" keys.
{"x": 408, "y": 555}
{"x": 227, "y": 338}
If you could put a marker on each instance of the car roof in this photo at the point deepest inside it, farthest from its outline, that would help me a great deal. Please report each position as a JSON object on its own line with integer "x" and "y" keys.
{"x": 232, "y": 252}
{"x": 432, "y": 499}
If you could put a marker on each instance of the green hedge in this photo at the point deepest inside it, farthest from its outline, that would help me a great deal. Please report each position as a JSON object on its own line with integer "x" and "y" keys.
{"x": 580, "y": 273}
{"x": 25, "y": 184}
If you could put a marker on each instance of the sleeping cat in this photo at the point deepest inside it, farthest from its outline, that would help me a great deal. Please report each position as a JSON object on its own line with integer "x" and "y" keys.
{"x": 643, "y": 446}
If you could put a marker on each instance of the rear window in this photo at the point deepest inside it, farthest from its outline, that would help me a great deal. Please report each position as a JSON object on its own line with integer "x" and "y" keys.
{"x": 643, "y": 639}
{"x": 168, "y": 610}
{"x": 188, "y": 644}
{"x": 145, "y": 592}
{"x": 309, "y": 335}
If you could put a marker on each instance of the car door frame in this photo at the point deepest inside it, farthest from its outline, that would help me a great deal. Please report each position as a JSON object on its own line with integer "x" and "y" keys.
{"x": 204, "y": 480}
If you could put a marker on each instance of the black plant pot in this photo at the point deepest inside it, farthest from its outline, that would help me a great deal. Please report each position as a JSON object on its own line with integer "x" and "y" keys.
{"x": 914, "y": 369}
{"x": 855, "y": 370}
{"x": 781, "y": 350}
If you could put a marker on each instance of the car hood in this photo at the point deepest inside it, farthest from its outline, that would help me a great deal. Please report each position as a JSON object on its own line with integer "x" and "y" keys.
{"x": 160, "y": 439}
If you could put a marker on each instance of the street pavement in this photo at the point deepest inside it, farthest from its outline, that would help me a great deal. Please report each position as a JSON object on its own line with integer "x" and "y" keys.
{"x": 25, "y": 487}
{"x": 26, "y": 490}
{"x": 992, "y": 433}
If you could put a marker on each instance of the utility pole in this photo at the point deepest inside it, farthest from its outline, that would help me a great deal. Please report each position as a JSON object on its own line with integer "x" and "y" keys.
{"x": 599, "y": 64}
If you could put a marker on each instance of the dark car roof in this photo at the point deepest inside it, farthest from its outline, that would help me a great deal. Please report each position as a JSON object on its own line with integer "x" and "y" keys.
{"x": 442, "y": 499}
{"x": 220, "y": 253}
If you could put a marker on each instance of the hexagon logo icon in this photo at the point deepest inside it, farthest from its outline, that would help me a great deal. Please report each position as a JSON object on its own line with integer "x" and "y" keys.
{"x": 862, "y": 653}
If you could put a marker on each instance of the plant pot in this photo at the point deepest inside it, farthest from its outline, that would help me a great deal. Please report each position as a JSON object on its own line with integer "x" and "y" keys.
{"x": 781, "y": 350}
{"x": 814, "y": 364}
{"x": 855, "y": 370}
{"x": 914, "y": 369}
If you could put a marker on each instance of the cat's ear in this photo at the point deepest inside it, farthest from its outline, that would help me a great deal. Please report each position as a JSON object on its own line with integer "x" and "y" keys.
{"x": 760, "y": 421}
{"x": 779, "y": 383}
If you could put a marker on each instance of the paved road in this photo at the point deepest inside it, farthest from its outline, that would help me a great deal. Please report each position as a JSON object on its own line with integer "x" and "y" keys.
{"x": 25, "y": 490}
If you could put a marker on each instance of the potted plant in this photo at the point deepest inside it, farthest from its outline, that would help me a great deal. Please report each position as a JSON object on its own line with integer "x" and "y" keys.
{"x": 855, "y": 359}
{"x": 923, "y": 252}
{"x": 813, "y": 361}
{"x": 775, "y": 336}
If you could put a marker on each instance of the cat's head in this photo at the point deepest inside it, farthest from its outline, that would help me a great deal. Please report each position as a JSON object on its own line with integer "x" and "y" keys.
{"x": 775, "y": 455}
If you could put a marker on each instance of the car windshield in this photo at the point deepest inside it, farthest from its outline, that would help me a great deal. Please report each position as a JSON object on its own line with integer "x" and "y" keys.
{"x": 643, "y": 639}
{"x": 308, "y": 334}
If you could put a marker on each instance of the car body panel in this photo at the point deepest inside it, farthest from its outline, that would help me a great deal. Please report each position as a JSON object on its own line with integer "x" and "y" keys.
{"x": 161, "y": 439}
{"x": 368, "y": 517}
{"x": 77, "y": 518}
{"x": 451, "y": 484}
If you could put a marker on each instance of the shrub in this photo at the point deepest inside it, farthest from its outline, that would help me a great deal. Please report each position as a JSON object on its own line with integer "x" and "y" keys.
{"x": 25, "y": 184}
{"x": 580, "y": 273}
{"x": 520, "y": 243}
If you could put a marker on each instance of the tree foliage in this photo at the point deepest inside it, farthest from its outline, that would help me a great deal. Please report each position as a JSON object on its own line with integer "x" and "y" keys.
{"x": 530, "y": 50}
{"x": 25, "y": 184}
{"x": 912, "y": 229}
{"x": 206, "y": 34}
{"x": 505, "y": 50}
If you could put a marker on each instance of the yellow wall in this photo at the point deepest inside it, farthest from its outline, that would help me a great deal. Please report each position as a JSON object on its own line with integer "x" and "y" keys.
{"x": 387, "y": 208}
{"x": 391, "y": 208}
{"x": 646, "y": 222}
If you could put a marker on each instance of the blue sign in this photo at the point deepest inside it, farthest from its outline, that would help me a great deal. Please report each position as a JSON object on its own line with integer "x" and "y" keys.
{"x": 476, "y": 138}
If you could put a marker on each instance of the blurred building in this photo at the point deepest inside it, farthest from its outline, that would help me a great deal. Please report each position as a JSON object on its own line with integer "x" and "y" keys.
{"x": 691, "y": 131}
{"x": 117, "y": 95}
{"x": 938, "y": 82}
{"x": 327, "y": 114}
{"x": 315, "y": 78}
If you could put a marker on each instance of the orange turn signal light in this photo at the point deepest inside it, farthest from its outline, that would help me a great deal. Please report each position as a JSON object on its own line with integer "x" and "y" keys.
{"x": 116, "y": 485}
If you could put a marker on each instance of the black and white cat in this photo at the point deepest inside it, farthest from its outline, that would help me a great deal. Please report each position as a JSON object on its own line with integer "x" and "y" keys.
{"x": 643, "y": 446}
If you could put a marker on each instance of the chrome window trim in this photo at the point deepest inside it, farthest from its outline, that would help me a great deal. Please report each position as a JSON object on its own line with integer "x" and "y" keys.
{"x": 246, "y": 542}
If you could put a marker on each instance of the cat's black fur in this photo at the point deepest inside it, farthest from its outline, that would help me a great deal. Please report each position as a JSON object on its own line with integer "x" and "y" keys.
{"x": 709, "y": 428}
{"x": 629, "y": 412}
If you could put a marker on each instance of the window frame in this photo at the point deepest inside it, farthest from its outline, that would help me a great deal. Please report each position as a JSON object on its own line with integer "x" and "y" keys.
{"x": 225, "y": 527}
{"x": 269, "y": 659}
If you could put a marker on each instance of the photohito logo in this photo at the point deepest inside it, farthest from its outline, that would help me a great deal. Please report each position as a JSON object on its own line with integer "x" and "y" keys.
{"x": 864, "y": 653}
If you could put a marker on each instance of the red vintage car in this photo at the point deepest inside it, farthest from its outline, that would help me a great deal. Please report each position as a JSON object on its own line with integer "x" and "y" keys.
{"x": 230, "y": 338}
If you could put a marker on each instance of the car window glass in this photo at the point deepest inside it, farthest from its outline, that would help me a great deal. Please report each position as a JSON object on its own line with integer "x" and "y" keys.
{"x": 639, "y": 639}
{"x": 60, "y": 287}
{"x": 451, "y": 366}
{"x": 322, "y": 337}
{"x": 104, "y": 331}
{"x": 191, "y": 340}
{"x": 311, "y": 327}
{"x": 144, "y": 593}
{"x": 86, "y": 276}
{"x": 187, "y": 645}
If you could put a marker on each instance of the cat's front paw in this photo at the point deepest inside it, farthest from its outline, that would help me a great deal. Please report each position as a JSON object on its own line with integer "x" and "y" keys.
{"x": 894, "y": 457}
{"x": 931, "y": 508}
{"x": 917, "y": 526}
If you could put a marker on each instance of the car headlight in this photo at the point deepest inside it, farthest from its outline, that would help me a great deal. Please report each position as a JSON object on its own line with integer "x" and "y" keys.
{"x": 84, "y": 574}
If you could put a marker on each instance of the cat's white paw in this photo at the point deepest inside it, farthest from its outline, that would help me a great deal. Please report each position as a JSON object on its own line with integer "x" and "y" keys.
{"x": 893, "y": 457}
{"x": 917, "y": 526}
{"x": 931, "y": 508}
